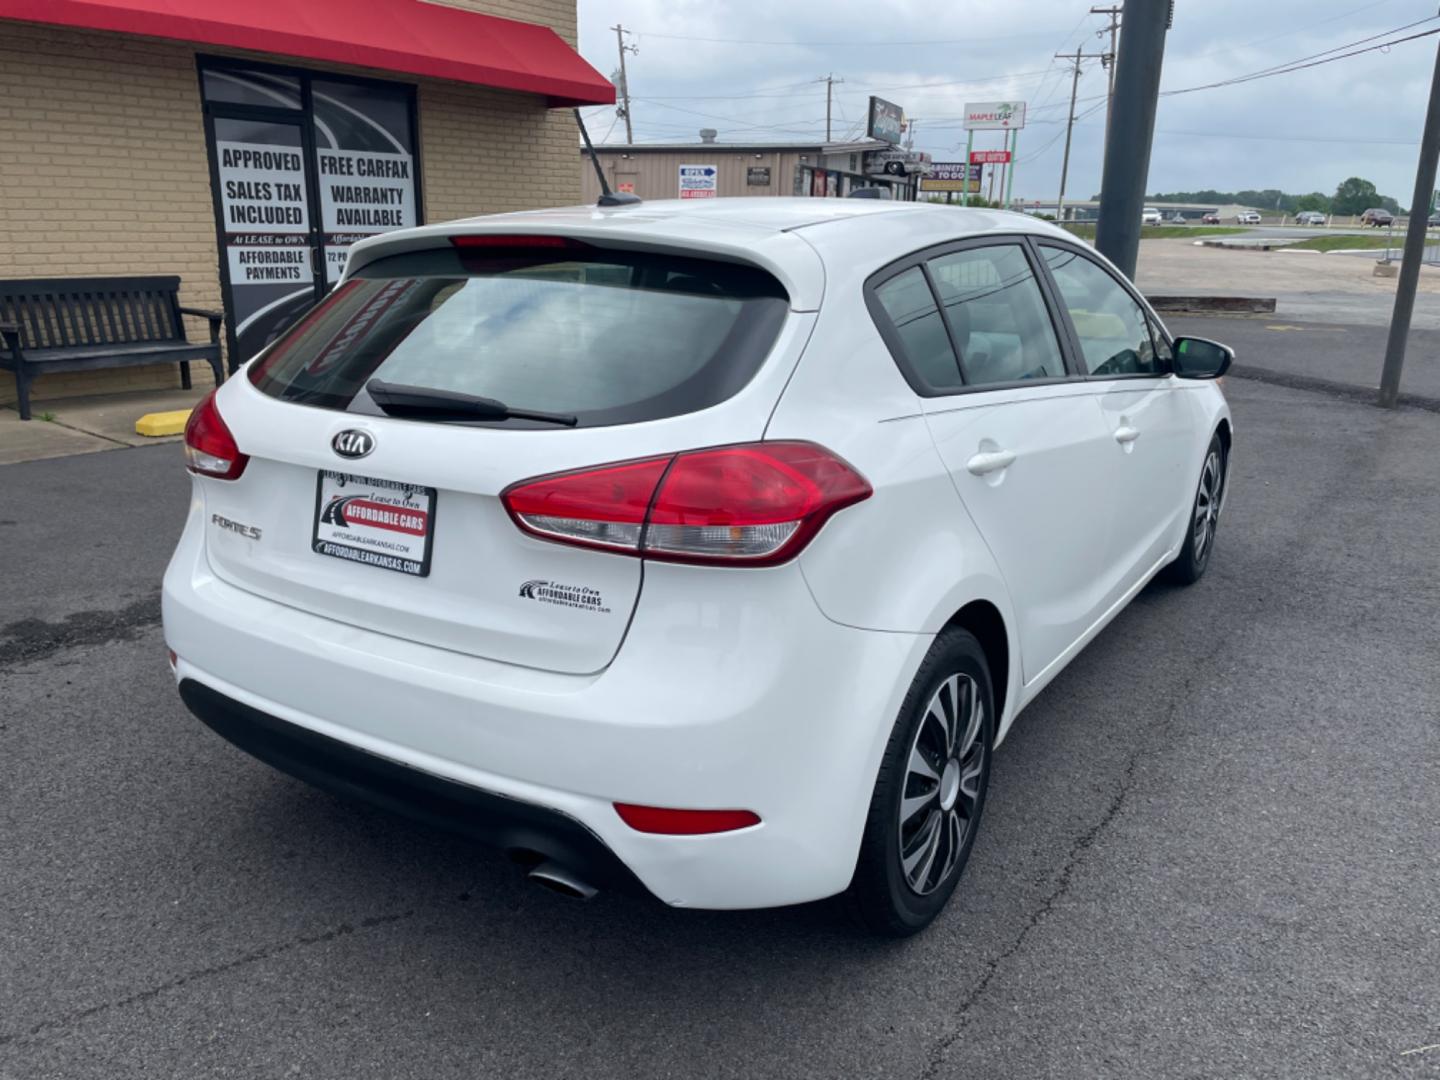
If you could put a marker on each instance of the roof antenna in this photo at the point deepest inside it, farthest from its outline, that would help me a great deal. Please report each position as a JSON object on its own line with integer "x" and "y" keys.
{"x": 607, "y": 197}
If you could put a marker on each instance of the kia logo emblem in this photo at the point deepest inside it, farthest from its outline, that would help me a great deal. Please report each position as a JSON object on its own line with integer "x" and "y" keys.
{"x": 353, "y": 444}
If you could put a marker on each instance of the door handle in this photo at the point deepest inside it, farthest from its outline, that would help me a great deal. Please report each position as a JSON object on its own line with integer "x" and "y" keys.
{"x": 1126, "y": 434}
{"x": 990, "y": 461}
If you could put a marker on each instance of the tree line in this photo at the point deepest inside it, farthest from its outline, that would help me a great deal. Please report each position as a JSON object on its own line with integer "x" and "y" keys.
{"x": 1353, "y": 196}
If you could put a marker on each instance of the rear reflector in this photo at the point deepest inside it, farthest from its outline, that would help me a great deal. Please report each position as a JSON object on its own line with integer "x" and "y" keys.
{"x": 513, "y": 240}
{"x": 173, "y": 658}
{"x": 210, "y": 449}
{"x": 755, "y": 504}
{"x": 656, "y": 819}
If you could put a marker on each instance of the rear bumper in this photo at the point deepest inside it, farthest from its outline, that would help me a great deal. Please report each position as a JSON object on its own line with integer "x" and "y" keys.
{"x": 736, "y": 695}
{"x": 520, "y": 828}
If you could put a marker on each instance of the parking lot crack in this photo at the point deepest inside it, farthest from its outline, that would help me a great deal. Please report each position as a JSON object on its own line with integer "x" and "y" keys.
{"x": 35, "y": 639}
{"x": 257, "y": 955}
{"x": 1079, "y": 849}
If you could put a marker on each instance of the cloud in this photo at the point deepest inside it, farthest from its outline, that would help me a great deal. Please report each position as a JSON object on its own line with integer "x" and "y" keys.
{"x": 753, "y": 71}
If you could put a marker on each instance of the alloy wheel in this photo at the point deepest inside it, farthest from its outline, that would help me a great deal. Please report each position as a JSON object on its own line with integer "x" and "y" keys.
{"x": 1207, "y": 506}
{"x": 942, "y": 784}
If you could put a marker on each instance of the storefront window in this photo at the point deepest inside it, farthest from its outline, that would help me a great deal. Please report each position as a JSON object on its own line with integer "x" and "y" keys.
{"x": 305, "y": 165}
{"x": 242, "y": 86}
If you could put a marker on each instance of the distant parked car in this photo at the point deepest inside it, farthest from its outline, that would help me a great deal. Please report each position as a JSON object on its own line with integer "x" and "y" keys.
{"x": 1377, "y": 217}
{"x": 1210, "y": 219}
{"x": 1433, "y": 221}
{"x": 1178, "y": 218}
{"x": 1309, "y": 217}
{"x": 1150, "y": 216}
{"x": 1247, "y": 217}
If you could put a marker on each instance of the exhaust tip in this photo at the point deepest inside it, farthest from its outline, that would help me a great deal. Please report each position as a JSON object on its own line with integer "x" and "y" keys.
{"x": 556, "y": 878}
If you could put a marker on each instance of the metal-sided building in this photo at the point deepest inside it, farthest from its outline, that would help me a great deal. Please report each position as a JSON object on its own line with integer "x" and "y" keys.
{"x": 706, "y": 168}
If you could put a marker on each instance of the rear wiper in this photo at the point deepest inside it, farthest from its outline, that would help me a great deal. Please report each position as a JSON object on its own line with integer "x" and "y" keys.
{"x": 397, "y": 399}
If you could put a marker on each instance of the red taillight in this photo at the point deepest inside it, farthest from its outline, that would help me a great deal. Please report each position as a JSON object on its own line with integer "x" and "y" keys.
{"x": 513, "y": 240}
{"x": 756, "y": 504}
{"x": 657, "y": 819}
{"x": 602, "y": 507}
{"x": 210, "y": 449}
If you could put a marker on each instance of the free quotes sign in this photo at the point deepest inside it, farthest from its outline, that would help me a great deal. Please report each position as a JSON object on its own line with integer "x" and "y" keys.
{"x": 362, "y": 192}
{"x": 262, "y": 201}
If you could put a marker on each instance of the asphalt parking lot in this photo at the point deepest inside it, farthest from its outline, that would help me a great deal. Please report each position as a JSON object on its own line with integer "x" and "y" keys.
{"x": 1210, "y": 848}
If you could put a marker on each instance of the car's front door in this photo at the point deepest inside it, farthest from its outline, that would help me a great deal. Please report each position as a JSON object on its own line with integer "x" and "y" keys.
{"x": 1127, "y": 363}
{"x": 1023, "y": 440}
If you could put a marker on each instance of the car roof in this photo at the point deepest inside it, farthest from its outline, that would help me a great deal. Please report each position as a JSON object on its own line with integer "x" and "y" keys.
{"x": 790, "y": 237}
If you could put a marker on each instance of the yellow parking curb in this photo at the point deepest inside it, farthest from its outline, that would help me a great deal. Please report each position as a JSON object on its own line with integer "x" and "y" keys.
{"x": 156, "y": 424}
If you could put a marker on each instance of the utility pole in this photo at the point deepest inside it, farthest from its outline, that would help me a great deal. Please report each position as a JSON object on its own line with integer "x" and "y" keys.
{"x": 829, "y": 81}
{"x": 1127, "y": 154}
{"x": 620, "y": 33}
{"x": 1014, "y": 160}
{"x": 1414, "y": 248}
{"x": 1069, "y": 125}
{"x": 1108, "y": 60}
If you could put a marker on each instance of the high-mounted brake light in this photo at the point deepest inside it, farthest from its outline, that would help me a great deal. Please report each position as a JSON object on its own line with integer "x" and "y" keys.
{"x": 513, "y": 240}
{"x": 755, "y": 504}
{"x": 666, "y": 822}
{"x": 210, "y": 449}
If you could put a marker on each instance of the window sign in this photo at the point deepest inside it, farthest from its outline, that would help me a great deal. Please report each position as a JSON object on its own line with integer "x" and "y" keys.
{"x": 262, "y": 199}
{"x": 366, "y": 165}
{"x": 266, "y": 246}
{"x": 304, "y": 166}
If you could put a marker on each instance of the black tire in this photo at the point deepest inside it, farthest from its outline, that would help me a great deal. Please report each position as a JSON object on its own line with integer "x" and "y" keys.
{"x": 1189, "y": 566}
{"x": 882, "y": 896}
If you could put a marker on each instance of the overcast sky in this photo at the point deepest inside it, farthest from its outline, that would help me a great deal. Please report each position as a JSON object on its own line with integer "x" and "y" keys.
{"x": 752, "y": 80}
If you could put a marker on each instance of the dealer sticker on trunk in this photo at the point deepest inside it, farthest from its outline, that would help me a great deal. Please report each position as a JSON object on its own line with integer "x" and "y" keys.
{"x": 381, "y": 523}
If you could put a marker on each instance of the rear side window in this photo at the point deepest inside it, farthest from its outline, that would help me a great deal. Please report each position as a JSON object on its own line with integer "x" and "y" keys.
{"x": 998, "y": 315}
{"x": 611, "y": 337}
{"x": 908, "y": 301}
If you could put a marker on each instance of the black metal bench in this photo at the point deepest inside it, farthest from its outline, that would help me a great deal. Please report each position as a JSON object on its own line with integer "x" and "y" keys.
{"x": 78, "y": 324}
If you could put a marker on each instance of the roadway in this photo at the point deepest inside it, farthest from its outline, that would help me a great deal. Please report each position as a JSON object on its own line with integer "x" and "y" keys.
{"x": 1209, "y": 849}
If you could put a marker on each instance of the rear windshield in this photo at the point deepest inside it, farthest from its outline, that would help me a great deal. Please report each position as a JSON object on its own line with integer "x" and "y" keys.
{"x": 609, "y": 337}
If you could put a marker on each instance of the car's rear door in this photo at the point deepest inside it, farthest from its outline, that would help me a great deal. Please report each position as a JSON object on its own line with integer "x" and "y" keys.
{"x": 1022, "y": 437}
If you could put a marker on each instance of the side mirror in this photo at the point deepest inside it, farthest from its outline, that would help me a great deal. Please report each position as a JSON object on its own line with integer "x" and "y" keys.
{"x": 1200, "y": 358}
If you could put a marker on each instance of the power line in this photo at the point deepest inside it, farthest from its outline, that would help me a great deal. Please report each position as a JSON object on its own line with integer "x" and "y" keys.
{"x": 871, "y": 43}
{"x": 1361, "y": 41}
{"x": 1287, "y": 33}
{"x": 1299, "y": 66}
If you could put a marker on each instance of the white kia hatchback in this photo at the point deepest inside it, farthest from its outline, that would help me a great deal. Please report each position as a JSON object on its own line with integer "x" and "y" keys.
{"x": 709, "y": 548}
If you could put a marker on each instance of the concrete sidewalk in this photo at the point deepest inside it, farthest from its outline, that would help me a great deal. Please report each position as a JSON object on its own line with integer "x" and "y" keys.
{"x": 1307, "y": 289}
{"x": 64, "y": 426}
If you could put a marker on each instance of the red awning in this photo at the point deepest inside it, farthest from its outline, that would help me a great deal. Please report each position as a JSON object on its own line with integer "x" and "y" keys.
{"x": 408, "y": 36}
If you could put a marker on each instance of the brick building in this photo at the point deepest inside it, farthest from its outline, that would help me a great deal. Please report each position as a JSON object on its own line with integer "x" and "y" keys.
{"x": 244, "y": 147}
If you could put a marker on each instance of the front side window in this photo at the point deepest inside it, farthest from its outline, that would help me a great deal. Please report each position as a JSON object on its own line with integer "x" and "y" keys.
{"x": 998, "y": 315}
{"x": 1113, "y": 329}
{"x": 908, "y": 301}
